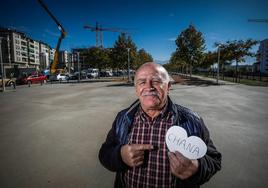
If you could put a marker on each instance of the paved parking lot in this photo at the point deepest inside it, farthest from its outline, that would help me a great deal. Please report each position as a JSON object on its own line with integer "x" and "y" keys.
{"x": 50, "y": 134}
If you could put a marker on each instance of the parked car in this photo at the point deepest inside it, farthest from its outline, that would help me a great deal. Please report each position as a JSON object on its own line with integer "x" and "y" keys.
{"x": 33, "y": 79}
{"x": 72, "y": 77}
{"x": 62, "y": 77}
{"x": 106, "y": 74}
{"x": 93, "y": 73}
{"x": 83, "y": 74}
{"x": 8, "y": 82}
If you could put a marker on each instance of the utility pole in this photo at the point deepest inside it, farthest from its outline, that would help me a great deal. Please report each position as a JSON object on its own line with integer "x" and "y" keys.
{"x": 2, "y": 66}
{"x": 78, "y": 63}
{"x": 70, "y": 62}
{"x": 218, "y": 68}
{"x": 128, "y": 65}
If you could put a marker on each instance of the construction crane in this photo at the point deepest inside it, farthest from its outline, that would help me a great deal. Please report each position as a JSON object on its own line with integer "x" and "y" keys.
{"x": 54, "y": 65}
{"x": 258, "y": 20}
{"x": 99, "y": 29}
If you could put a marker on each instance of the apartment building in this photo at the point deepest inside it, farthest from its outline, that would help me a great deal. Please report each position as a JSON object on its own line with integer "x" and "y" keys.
{"x": 5, "y": 38}
{"x": 63, "y": 57}
{"x": 20, "y": 51}
{"x": 263, "y": 50}
{"x": 44, "y": 50}
{"x": 77, "y": 53}
{"x": 33, "y": 54}
{"x": 51, "y": 55}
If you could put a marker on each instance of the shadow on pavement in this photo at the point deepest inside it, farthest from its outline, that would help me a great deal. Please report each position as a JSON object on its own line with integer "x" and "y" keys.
{"x": 198, "y": 82}
{"x": 182, "y": 81}
{"x": 194, "y": 81}
{"x": 121, "y": 85}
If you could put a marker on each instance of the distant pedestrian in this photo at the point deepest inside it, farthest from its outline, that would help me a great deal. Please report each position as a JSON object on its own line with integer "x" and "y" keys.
{"x": 135, "y": 146}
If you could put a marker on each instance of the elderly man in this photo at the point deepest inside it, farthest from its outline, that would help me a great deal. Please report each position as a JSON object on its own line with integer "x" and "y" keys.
{"x": 135, "y": 146}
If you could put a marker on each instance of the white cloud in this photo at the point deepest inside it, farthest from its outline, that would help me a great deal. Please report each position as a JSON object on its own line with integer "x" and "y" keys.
{"x": 172, "y": 39}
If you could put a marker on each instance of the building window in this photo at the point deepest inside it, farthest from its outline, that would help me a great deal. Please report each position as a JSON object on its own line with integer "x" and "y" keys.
{"x": 23, "y": 43}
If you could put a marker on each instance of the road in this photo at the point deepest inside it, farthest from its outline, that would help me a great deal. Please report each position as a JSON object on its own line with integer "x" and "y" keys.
{"x": 50, "y": 134}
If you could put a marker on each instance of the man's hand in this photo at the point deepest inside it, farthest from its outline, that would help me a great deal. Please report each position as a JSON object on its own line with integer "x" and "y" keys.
{"x": 181, "y": 166}
{"x": 133, "y": 154}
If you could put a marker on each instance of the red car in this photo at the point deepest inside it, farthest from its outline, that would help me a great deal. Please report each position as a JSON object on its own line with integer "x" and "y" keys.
{"x": 35, "y": 79}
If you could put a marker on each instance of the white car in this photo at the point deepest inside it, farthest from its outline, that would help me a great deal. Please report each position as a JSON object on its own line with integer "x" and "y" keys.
{"x": 93, "y": 73}
{"x": 62, "y": 77}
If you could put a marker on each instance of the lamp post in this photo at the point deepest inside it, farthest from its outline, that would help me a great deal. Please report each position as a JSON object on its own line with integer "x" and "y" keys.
{"x": 2, "y": 65}
{"x": 218, "y": 68}
{"x": 78, "y": 64}
{"x": 128, "y": 66}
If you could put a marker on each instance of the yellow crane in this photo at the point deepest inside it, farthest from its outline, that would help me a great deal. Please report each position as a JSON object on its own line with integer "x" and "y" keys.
{"x": 54, "y": 65}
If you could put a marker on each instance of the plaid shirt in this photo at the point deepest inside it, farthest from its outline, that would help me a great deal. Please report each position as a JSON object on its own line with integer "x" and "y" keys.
{"x": 155, "y": 172}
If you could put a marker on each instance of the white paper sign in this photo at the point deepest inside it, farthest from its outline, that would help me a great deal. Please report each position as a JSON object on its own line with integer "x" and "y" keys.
{"x": 191, "y": 147}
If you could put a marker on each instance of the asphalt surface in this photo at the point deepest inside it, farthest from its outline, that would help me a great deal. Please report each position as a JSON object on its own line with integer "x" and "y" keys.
{"x": 50, "y": 135}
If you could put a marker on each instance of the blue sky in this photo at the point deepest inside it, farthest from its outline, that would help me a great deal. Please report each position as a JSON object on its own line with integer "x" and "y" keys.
{"x": 153, "y": 25}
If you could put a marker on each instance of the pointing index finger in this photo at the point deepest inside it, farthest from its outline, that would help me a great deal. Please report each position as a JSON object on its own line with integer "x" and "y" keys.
{"x": 144, "y": 147}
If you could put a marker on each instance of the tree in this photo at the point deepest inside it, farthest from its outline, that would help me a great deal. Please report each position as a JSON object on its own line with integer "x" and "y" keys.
{"x": 97, "y": 57}
{"x": 176, "y": 63}
{"x": 143, "y": 57}
{"x": 120, "y": 52}
{"x": 209, "y": 59}
{"x": 236, "y": 51}
{"x": 190, "y": 47}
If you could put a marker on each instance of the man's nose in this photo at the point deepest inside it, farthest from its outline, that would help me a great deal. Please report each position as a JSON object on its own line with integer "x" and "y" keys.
{"x": 149, "y": 85}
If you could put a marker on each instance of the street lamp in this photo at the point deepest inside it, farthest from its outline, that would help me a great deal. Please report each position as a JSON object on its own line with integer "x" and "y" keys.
{"x": 2, "y": 65}
{"x": 128, "y": 66}
{"x": 78, "y": 64}
{"x": 218, "y": 68}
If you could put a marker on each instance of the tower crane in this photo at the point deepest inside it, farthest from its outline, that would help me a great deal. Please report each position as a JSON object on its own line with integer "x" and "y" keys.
{"x": 99, "y": 29}
{"x": 54, "y": 65}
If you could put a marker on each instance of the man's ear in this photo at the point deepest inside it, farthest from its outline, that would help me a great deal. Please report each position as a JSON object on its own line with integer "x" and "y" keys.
{"x": 169, "y": 85}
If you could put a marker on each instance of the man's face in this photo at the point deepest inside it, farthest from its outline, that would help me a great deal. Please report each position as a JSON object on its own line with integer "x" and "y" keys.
{"x": 151, "y": 88}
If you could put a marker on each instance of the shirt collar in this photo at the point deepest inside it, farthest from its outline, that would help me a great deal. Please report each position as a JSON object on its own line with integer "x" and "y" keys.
{"x": 162, "y": 113}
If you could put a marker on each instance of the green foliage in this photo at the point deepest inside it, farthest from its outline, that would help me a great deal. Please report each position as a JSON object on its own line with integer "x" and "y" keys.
{"x": 209, "y": 59}
{"x": 190, "y": 46}
{"x": 97, "y": 57}
{"x": 116, "y": 57}
{"x": 236, "y": 51}
{"x": 143, "y": 57}
{"x": 120, "y": 52}
{"x": 189, "y": 51}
